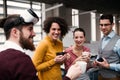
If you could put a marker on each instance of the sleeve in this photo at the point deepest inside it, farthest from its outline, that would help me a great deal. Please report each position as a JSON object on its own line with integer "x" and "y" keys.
{"x": 86, "y": 49}
{"x": 115, "y": 67}
{"x": 39, "y": 56}
{"x": 69, "y": 59}
{"x": 117, "y": 47}
{"x": 23, "y": 66}
{"x": 66, "y": 78}
{"x": 17, "y": 66}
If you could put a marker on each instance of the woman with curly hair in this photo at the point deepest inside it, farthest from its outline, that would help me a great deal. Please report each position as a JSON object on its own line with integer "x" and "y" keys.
{"x": 45, "y": 59}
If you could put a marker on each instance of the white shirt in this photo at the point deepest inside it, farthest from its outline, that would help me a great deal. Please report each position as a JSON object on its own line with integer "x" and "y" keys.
{"x": 10, "y": 44}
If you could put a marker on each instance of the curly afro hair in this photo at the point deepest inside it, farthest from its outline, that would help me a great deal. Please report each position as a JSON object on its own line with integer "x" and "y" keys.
{"x": 60, "y": 21}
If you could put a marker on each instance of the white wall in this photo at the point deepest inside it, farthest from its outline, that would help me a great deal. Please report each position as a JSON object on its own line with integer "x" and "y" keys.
{"x": 68, "y": 39}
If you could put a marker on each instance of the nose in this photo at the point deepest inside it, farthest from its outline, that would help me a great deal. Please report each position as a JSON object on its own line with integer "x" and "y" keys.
{"x": 79, "y": 39}
{"x": 56, "y": 31}
{"x": 103, "y": 27}
{"x": 33, "y": 33}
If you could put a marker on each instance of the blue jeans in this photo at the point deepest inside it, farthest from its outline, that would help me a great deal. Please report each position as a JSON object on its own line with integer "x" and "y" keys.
{"x": 93, "y": 74}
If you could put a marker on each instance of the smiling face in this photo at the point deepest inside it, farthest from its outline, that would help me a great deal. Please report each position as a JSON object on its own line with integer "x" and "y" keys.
{"x": 55, "y": 31}
{"x": 79, "y": 38}
{"x": 26, "y": 37}
{"x": 106, "y": 26}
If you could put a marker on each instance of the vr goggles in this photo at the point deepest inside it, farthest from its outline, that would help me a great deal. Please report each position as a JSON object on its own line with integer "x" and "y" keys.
{"x": 29, "y": 16}
{"x": 25, "y": 18}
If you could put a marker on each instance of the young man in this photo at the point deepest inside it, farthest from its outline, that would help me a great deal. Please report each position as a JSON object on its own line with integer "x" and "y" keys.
{"x": 109, "y": 50}
{"x": 14, "y": 63}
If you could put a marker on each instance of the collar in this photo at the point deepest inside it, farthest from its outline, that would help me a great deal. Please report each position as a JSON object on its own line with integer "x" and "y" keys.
{"x": 53, "y": 42}
{"x": 10, "y": 44}
{"x": 110, "y": 35}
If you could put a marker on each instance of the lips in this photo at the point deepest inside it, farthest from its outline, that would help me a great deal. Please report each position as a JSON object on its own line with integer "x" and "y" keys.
{"x": 79, "y": 43}
{"x": 56, "y": 36}
{"x": 103, "y": 31}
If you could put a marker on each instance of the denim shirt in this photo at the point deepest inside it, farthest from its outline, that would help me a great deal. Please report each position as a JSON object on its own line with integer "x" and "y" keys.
{"x": 116, "y": 49}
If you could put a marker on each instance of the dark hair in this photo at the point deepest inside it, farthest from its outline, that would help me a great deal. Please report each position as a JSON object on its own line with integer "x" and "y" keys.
{"x": 107, "y": 16}
{"x": 60, "y": 21}
{"x": 79, "y": 29}
{"x": 12, "y": 21}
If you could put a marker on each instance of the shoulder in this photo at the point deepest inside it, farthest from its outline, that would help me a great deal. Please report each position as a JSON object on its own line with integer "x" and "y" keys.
{"x": 118, "y": 39}
{"x": 14, "y": 57}
{"x": 59, "y": 42}
{"x": 68, "y": 49}
{"x": 86, "y": 49}
{"x": 43, "y": 43}
{"x": 12, "y": 53}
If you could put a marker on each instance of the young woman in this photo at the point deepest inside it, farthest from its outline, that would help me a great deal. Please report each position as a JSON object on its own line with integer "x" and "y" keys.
{"x": 75, "y": 51}
{"x": 45, "y": 59}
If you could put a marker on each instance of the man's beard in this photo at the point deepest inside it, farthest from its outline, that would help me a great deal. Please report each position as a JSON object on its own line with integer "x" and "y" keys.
{"x": 26, "y": 43}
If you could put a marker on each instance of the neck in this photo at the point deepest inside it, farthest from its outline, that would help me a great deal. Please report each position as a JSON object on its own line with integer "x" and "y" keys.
{"x": 78, "y": 48}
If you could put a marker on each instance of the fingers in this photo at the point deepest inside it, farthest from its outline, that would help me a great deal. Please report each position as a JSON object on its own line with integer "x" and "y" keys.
{"x": 60, "y": 58}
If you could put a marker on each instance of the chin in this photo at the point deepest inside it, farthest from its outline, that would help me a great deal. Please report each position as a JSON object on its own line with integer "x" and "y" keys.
{"x": 55, "y": 38}
{"x": 79, "y": 45}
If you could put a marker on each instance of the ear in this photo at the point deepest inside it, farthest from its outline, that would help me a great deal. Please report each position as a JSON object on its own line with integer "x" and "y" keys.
{"x": 112, "y": 24}
{"x": 15, "y": 32}
{"x": 85, "y": 39}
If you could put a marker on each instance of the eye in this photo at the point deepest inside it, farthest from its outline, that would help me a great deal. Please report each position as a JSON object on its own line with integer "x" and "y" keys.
{"x": 104, "y": 24}
{"x": 76, "y": 37}
{"x": 53, "y": 29}
{"x": 30, "y": 29}
{"x": 59, "y": 29}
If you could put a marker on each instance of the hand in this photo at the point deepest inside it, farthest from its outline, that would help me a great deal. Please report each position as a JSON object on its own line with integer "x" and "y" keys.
{"x": 83, "y": 58}
{"x": 68, "y": 55}
{"x": 87, "y": 54}
{"x": 74, "y": 72}
{"x": 104, "y": 64}
{"x": 94, "y": 64}
{"x": 60, "y": 58}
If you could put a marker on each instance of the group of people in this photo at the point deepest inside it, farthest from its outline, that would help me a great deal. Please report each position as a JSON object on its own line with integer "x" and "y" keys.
{"x": 19, "y": 33}
{"x": 45, "y": 63}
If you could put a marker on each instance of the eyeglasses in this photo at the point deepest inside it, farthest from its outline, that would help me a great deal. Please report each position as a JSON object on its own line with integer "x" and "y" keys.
{"x": 105, "y": 24}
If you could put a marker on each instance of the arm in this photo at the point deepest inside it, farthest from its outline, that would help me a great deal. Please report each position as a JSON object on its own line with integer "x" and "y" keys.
{"x": 28, "y": 73}
{"x": 39, "y": 56}
{"x": 112, "y": 66}
{"x": 115, "y": 67}
{"x": 66, "y": 78}
{"x": 84, "y": 57}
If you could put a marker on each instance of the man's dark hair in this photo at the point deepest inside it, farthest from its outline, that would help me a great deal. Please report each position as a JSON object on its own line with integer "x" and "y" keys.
{"x": 107, "y": 16}
{"x": 12, "y": 21}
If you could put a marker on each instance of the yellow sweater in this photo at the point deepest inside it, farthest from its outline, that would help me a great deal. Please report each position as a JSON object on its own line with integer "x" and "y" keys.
{"x": 43, "y": 59}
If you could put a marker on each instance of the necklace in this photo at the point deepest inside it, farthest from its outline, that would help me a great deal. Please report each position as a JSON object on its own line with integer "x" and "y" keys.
{"x": 77, "y": 51}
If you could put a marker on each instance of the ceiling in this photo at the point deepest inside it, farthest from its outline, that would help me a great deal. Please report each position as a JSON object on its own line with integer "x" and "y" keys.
{"x": 101, "y": 6}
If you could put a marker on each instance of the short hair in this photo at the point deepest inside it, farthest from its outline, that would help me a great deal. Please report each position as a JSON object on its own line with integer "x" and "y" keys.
{"x": 60, "y": 21}
{"x": 12, "y": 21}
{"x": 79, "y": 29}
{"x": 107, "y": 16}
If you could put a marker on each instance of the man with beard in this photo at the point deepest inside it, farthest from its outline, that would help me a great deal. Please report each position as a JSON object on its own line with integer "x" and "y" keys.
{"x": 14, "y": 63}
